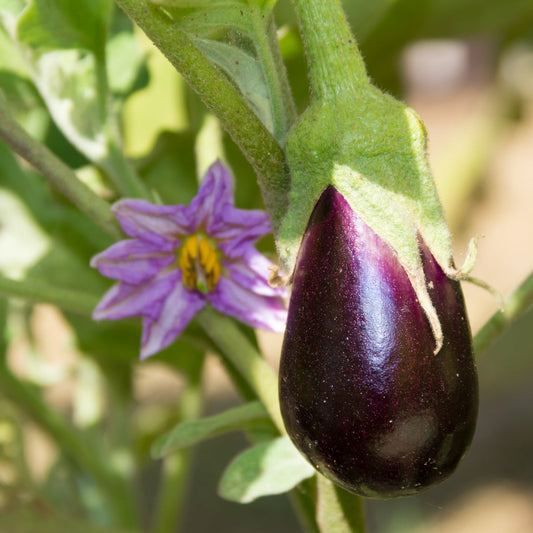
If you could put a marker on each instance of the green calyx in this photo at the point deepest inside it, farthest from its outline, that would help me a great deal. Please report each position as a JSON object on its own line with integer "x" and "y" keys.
{"x": 371, "y": 148}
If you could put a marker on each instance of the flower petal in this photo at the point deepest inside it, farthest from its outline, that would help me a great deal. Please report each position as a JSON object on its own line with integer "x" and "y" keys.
{"x": 214, "y": 194}
{"x": 177, "y": 311}
{"x": 132, "y": 261}
{"x": 160, "y": 224}
{"x": 240, "y": 229}
{"x": 124, "y": 300}
{"x": 251, "y": 272}
{"x": 258, "y": 311}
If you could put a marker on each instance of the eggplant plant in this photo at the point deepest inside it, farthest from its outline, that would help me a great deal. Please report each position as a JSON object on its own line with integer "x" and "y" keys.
{"x": 168, "y": 192}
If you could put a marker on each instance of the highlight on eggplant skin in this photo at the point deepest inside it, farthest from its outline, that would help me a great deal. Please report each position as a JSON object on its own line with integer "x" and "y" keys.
{"x": 362, "y": 394}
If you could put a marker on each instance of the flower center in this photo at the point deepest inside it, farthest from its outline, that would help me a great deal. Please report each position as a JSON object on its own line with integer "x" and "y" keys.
{"x": 199, "y": 264}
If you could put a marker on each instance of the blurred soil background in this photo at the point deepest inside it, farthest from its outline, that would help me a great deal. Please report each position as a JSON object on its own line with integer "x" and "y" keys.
{"x": 481, "y": 149}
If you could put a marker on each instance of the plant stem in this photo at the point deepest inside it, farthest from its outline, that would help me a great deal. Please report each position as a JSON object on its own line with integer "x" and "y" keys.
{"x": 122, "y": 174}
{"x": 238, "y": 349}
{"x": 515, "y": 305}
{"x": 114, "y": 163}
{"x": 334, "y": 62}
{"x": 223, "y": 99}
{"x": 57, "y": 173}
{"x": 338, "y": 511}
{"x": 73, "y": 444}
{"x": 36, "y": 291}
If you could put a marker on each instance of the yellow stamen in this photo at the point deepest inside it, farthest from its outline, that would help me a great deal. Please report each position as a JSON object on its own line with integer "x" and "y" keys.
{"x": 210, "y": 262}
{"x": 184, "y": 260}
{"x": 204, "y": 250}
{"x": 199, "y": 264}
{"x": 191, "y": 245}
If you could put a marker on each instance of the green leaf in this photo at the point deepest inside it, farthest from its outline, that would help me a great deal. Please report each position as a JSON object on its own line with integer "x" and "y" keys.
{"x": 24, "y": 103}
{"x": 10, "y": 58}
{"x": 68, "y": 82}
{"x": 17, "y": 223}
{"x": 266, "y": 469}
{"x": 63, "y": 44}
{"x": 18, "y": 226}
{"x": 194, "y": 431}
{"x": 247, "y": 72}
{"x": 51, "y": 24}
{"x": 10, "y": 11}
{"x": 124, "y": 62}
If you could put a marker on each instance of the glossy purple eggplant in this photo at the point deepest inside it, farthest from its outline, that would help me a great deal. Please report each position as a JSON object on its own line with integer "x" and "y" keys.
{"x": 363, "y": 396}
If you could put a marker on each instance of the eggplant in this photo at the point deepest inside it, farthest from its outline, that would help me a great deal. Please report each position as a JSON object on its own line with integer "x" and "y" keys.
{"x": 363, "y": 395}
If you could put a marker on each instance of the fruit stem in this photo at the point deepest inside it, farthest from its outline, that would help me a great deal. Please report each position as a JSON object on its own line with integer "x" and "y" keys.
{"x": 336, "y": 68}
{"x": 338, "y": 511}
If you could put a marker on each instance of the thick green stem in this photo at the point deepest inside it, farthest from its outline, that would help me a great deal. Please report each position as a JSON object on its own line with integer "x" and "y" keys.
{"x": 335, "y": 64}
{"x": 515, "y": 305}
{"x": 223, "y": 99}
{"x": 72, "y": 443}
{"x": 338, "y": 511}
{"x": 238, "y": 349}
{"x": 36, "y": 291}
{"x": 57, "y": 173}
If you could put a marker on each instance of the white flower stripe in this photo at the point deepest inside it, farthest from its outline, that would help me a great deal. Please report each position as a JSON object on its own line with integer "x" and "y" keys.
{"x": 179, "y": 308}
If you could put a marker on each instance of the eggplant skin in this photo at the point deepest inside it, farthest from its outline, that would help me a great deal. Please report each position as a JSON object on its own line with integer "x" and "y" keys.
{"x": 362, "y": 394}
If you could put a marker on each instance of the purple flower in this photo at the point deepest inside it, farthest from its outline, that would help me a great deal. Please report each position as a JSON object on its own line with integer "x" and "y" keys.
{"x": 181, "y": 257}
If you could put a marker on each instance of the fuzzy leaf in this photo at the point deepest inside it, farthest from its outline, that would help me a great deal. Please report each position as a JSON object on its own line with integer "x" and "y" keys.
{"x": 246, "y": 71}
{"x": 124, "y": 61}
{"x": 266, "y": 469}
{"x": 192, "y": 432}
